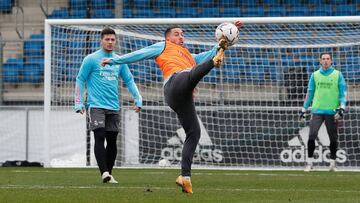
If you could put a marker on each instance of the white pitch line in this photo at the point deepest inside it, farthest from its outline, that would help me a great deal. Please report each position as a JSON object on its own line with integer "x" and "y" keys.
{"x": 267, "y": 174}
{"x": 194, "y": 173}
{"x": 172, "y": 188}
{"x": 161, "y": 172}
{"x": 228, "y": 174}
{"x": 53, "y": 171}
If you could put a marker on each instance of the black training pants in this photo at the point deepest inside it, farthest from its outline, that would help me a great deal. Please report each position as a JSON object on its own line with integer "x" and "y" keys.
{"x": 331, "y": 127}
{"x": 105, "y": 125}
{"x": 178, "y": 93}
{"x": 105, "y": 156}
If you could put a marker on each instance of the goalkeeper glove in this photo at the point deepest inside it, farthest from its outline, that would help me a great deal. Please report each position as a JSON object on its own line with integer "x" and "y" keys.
{"x": 339, "y": 113}
{"x": 303, "y": 114}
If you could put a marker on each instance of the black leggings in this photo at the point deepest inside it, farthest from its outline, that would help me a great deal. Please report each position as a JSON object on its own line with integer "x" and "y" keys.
{"x": 178, "y": 93}
{"x": 331, "y": 127}
{"x": 105, "y": 157}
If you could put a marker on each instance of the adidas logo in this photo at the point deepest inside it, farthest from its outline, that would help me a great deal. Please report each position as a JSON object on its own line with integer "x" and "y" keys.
{"x": 204, "y": 151}
{"x": 302, "y": 139}
{"x": 298, "y": 148}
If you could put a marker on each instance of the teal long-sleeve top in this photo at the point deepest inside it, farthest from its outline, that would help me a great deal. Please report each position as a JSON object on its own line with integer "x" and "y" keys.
{"x": 102, "y": 83}
{"x": 153, "y": 51}
{"x": 311, "y": 92}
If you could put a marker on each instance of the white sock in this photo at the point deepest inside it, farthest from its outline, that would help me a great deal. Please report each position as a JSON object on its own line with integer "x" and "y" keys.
{"x": 332, "y": 162}
{"x": 310, "y": 160}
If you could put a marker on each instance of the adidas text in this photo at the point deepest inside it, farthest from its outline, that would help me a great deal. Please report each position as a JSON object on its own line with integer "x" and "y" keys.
{"x": 320, "y": 155}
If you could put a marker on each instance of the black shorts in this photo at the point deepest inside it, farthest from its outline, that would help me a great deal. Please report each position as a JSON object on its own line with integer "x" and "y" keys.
{"x": 103, "y": 118}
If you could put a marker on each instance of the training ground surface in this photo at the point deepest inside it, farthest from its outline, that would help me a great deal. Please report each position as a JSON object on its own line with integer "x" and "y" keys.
{"x": 158, "y": 185}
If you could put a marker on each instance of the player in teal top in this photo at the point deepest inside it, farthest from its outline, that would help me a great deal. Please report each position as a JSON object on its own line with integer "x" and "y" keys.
{"x": 327, "y": 94}
{"x": 102, "y": 82}
{"x": 103, "y": 100}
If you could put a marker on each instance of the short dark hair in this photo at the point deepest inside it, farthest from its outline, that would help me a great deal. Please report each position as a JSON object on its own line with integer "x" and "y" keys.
{"x": 107, "y": 31}
{"x": 168, "y": 30}
{"x": 323, "y": 53}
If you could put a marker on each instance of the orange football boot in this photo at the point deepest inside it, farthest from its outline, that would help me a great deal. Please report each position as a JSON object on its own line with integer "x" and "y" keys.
{"x": 185, "y": 184}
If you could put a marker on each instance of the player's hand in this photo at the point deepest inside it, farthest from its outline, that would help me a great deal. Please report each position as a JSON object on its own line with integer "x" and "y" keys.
{"x": 339, "y": 113}
{"x": 137, "y": 109}
{"x": 303, "y": 114}
{"x": 105, "y": 61}
{"x": 238, "y": 24}
{"x": 82, "y": 111}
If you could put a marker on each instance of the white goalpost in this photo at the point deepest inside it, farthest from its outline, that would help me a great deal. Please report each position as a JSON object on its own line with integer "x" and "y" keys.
{"x": 248, "y": 108}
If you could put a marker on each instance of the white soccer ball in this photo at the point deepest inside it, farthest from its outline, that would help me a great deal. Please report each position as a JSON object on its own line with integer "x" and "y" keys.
{"x": 228, "y": 31}
{"x": 164, "y": 163}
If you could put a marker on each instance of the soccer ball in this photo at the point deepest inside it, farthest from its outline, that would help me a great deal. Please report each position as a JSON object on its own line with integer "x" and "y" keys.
{"x": 164, "y": 163}
{"x": 228, "y": 31}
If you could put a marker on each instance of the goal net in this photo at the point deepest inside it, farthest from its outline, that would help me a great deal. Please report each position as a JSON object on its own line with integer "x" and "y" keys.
{"x": 248, "y": 108}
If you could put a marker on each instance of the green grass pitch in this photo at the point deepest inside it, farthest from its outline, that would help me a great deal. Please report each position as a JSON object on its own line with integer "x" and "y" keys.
{"x": 158, "y": 185}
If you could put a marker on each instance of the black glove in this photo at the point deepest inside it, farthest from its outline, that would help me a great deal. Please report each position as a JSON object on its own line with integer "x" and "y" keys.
{"x": 302, "y": 115}
{"x": 339, "y": 113}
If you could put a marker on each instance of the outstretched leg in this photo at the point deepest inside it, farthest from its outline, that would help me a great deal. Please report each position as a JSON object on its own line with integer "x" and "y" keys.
{"x": 199, "y": 71}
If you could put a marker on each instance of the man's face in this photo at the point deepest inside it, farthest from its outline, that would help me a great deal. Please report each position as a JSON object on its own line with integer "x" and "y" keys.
{"x": 325, "y": 61}
{"x": 176, "y": 36}
{"x": 108, "y": 42}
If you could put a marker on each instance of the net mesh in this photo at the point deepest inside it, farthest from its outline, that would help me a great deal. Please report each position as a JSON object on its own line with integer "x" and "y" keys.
{"x": 248, "y": 108}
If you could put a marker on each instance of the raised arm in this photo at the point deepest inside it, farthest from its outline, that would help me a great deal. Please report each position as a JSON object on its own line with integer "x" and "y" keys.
{"x": 150, "y": 52}
{"x": 128, "y": 79}
{"x": 82, "y": 76}
{"x": 204, "y": 56}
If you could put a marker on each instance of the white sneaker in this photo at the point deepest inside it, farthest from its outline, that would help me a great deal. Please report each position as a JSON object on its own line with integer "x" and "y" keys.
{"x": 112, "y": 180}
{"x": 308, "y": 168}
{"x": 332, "y": 165}
{"x": 106, "y": 177}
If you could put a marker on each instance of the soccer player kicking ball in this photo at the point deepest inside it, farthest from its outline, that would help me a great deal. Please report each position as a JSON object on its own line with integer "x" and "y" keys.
{"x": 181, "y": 71}
{"x": 103, "y": 100}
{"x": 327, "y": 92}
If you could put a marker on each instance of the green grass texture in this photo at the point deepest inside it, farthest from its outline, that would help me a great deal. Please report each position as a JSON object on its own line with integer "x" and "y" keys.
{"x": 158, "y": 185}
